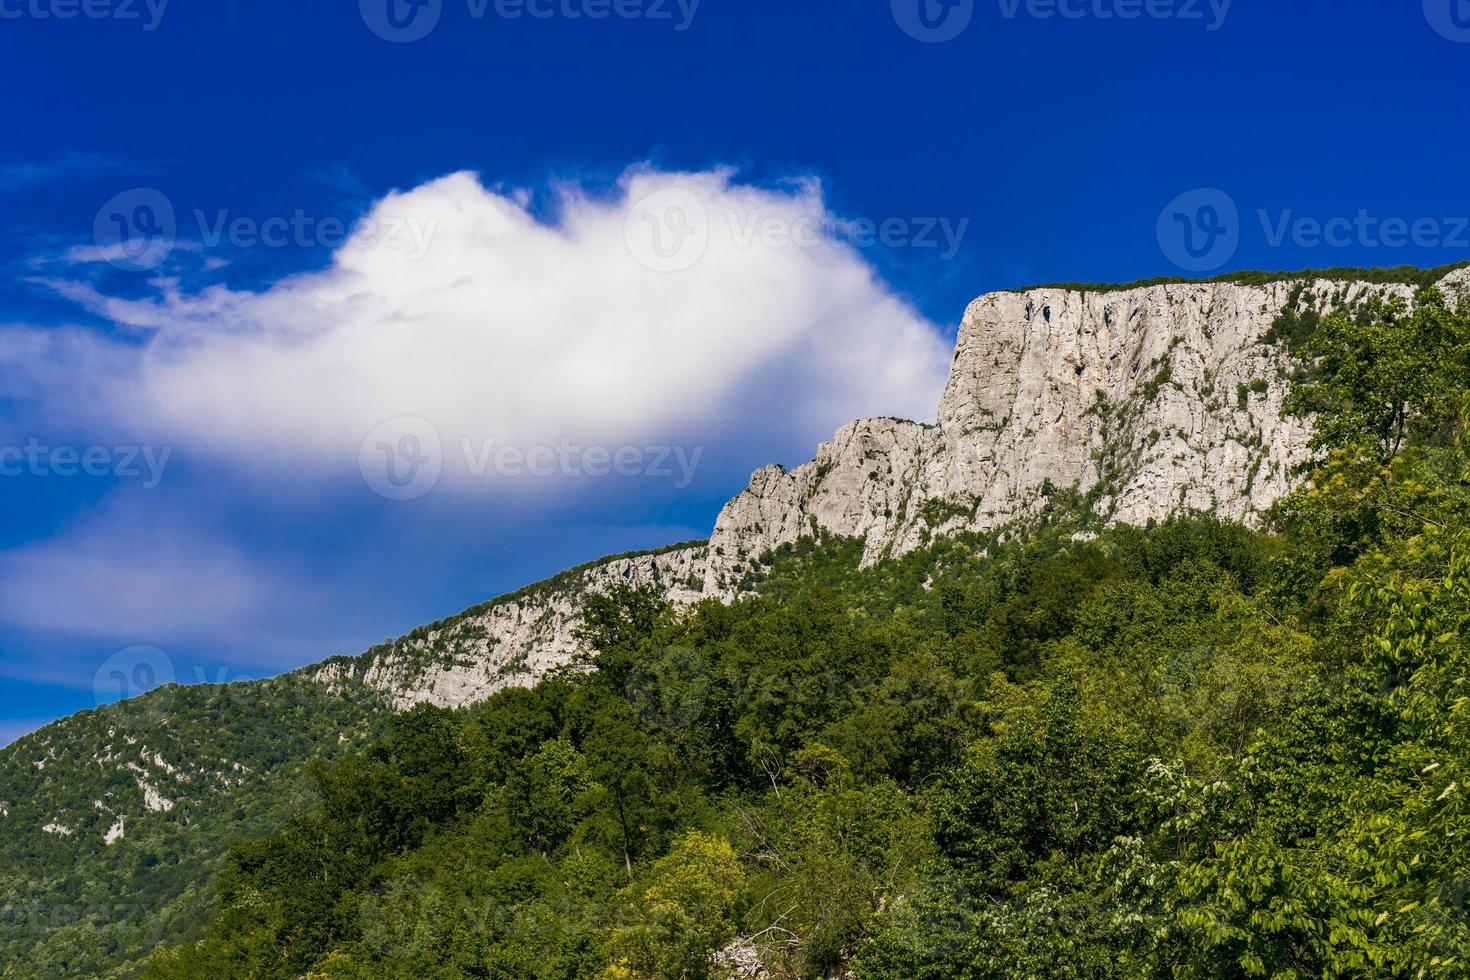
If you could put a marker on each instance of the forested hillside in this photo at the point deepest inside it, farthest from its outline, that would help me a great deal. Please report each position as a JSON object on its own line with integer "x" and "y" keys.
{"x": 1060, "y": 750}
{"x": 114, "y": 821}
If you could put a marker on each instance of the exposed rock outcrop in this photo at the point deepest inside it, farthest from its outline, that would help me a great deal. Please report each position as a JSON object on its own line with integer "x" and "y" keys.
{"x": 512, "y": 641}
{"x": 1153, "y": 400}
{"x": 1149, "y": 401}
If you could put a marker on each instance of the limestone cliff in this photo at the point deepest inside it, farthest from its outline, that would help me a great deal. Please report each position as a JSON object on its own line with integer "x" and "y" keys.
{"x": 512, "y": 641}
{"x": 1154, "y": 400}
{"x": 1149, "y": 401}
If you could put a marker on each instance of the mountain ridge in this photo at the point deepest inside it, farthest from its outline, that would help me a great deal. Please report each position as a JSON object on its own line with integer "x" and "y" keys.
{"x": 1192, "y": 420}
{"x": 1191, "y": 417}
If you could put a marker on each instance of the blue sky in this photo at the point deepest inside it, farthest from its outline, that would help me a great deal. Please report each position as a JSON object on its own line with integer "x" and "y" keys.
{"x": 236, "y": 379}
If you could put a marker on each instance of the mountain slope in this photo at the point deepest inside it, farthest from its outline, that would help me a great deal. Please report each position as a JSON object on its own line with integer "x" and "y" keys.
{"x": 1061, "y": 749}
{"x": 1147, "y": 402}
{"x": 1151, "y": 402}
{"x": 113, "y": 821}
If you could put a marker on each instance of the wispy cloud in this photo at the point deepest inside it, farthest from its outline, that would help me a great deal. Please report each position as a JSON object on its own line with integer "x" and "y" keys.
{"x": 344, "y": 182}
{"x": 122, "y": 252}
{"x": 130, "y": 572}
{"x": 21, "y": 175}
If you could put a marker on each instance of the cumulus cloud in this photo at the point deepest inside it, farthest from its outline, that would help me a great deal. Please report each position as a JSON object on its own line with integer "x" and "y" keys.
{"x": 682, "y": 310}
{"x": 677, "y": 306}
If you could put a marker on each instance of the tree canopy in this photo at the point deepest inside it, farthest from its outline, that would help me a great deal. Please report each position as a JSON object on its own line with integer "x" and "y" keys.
{"x": 1187, "y": 750}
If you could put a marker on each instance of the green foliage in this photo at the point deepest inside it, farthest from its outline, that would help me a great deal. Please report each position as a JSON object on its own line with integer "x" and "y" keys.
{"x": 688, "y": 908}
{"x": 971, "y": 726}
{"x": 1372, "y": 381}
{"x": 1150, "y": 390}
{"x": 936, "y": 512}
{"x": 1297, "y": 322}
{"x": 1187, "y": 750}
{"x": 229, "y": 760}
{"x": 1328, "y": 837}
{"x": 1406, "y": 274}
{"x": 1046, "y": 793}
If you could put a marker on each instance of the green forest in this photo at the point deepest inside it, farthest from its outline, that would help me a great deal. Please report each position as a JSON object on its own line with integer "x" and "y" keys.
{"x": 1187, "y": 750}
{"x": 1065, "y": 750}
{"x": 77, "y": 906}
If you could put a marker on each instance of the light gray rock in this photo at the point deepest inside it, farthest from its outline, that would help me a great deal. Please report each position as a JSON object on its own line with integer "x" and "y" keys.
{"x": 1156, "y": 401}
{"x": 1150, "y": 402}
{"x": 511, "y": 642}
{"x": 1456, "y": 285}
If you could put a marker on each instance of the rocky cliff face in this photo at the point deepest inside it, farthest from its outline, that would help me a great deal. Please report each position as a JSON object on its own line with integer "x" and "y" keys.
{"x": 1153, "y": 400}
{"x": 1146, "y": 401}
{"x": 1149, "y": 401}
{"x": 512, "y": 641}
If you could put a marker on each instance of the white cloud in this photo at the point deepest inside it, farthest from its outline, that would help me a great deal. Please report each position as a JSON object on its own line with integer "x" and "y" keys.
{"x": 457, "y": 305}
{"x": 122, "y": 573}
{"x": 127, "y": 255}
